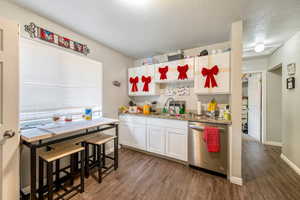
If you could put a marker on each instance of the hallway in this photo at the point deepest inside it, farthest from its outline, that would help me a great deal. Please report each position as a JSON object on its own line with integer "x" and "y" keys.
{"x": 266, "y": 176}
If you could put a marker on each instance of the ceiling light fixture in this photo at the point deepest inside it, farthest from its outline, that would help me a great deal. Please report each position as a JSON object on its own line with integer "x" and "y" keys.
{"x": 259, "y": 47}
{"x": 136, "y": 2}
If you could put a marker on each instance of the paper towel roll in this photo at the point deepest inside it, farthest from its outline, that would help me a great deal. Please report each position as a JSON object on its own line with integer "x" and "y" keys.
{"x": 199, "y": 107}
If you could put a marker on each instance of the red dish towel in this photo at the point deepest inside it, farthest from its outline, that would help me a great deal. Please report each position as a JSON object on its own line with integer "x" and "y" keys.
{"x": 212, "y": 139}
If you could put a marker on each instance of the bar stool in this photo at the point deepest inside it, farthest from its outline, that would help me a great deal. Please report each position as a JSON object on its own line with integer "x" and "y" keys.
{"x": 100, "y": 156}
{"x": 54, "y": 155}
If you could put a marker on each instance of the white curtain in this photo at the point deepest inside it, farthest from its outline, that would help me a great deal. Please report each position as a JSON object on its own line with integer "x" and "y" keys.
{"x": 54, "y": 80}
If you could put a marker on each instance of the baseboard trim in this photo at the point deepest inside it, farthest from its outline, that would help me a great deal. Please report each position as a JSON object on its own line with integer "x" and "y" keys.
{"x": 278, "y": 144}
{"x": 290, "y": 163}
{"x": 236, "y": 180}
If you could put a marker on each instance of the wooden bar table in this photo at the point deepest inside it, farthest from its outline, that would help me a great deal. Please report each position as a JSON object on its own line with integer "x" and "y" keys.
{"x": 59, "y": 132}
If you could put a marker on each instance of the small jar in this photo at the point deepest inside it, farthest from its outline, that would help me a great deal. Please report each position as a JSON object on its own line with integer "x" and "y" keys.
{"x": 68, "y": 117}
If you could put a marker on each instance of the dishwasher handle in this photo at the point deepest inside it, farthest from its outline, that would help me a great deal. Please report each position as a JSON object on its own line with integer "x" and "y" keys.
{"x": 200, "y": 128}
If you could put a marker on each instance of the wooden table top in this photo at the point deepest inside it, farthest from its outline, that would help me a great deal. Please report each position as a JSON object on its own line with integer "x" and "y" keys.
{"x": 60, "y": 128}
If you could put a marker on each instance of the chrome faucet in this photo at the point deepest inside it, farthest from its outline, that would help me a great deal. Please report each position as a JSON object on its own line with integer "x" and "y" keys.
{"x": 167, "y": 104}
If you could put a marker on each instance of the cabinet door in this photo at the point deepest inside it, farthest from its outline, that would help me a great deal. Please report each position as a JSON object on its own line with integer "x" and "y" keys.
{"x": 149, "y": 71}
{"x": 156, "y": 140}
{"x": 125, "y": 135}
{"x": 138, "y": 135}
{"x": 176, "y": 143}
{"x": 132, "y": 73}
{"x": 222, "y": 78}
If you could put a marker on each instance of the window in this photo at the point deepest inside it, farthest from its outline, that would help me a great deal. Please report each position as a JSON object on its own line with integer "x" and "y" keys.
{"x": 55, "y": 81}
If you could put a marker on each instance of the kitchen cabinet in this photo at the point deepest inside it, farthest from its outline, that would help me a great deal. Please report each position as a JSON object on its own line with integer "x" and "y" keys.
{"x": 176, "y": 143}
{"x": 169, "y": 71}
{"x": 156, "y": 139}
{"x": 161, "y": 136}
{"x": 212, "y": 74}
{"x": 141, "y": 81}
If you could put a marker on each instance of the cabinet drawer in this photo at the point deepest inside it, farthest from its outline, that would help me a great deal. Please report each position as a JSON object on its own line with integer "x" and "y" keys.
{"x": 168, "y": 123}
{"x": 131, "y": 119}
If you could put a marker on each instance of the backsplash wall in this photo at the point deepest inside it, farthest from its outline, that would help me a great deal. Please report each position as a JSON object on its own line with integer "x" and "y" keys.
{"x": 192, "y": 98}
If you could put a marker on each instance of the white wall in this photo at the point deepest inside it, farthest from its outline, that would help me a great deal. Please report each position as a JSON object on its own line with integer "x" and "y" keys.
{"x": 114, "y": 65}
{"x": 274, "y": 114}
{"x": 255, "y": 64}
{"x": 289, "y": 53}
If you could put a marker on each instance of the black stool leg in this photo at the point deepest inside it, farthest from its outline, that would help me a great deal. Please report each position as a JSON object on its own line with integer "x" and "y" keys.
{"x": 82, "y": 172}
{"x": 104, "y": 155}
{"x": 41, "y": 179}
{"x": 94, "y": 153}
{"x": 87, "y": 164}
{"x": 72, "y": 169}
{"x": 116, "y": 154}
{"x": 99, "y": 164}
{"x": 57, "y": 168}
{"x": 50, "y": 180}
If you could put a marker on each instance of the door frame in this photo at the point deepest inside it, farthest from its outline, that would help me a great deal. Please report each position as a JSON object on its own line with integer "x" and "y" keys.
{"x": 263, "y": 102}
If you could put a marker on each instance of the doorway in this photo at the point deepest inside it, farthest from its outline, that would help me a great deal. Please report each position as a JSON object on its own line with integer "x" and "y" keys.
{"x": 252, "y": 105}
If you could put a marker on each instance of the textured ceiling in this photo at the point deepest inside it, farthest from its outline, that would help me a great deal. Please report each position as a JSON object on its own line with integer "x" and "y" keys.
{"x": 141, "y": 28}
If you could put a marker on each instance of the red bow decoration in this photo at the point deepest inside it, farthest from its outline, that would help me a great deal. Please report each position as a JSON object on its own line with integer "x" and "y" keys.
{"x": 182, "y": 72}
{"x": 210, "y": 79}
{"x": 163, "y": 72}
{"x": 146, "y": 81}
{"x": 134, "y": 82}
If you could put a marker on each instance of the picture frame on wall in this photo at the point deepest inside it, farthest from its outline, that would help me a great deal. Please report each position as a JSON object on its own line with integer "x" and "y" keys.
{"x": 291, "y": 69}
{"x": 290, "y": 83}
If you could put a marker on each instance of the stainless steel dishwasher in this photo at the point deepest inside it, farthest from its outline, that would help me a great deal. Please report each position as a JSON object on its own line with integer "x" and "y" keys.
{"x": 197, "y": 151}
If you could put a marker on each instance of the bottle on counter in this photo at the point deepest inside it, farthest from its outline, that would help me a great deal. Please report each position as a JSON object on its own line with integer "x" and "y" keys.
{"x": 227, "y": 114}
{"x": 146, "y": 109}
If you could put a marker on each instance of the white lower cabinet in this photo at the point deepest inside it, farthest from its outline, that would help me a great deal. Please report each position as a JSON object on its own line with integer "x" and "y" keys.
{"x": 156, "y": 139}
{"x": 161, "y": 136}
{"x": 176, "y": 143}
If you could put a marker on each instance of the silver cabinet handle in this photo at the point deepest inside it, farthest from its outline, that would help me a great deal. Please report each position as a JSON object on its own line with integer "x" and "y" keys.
{"x": 9, "y": 134}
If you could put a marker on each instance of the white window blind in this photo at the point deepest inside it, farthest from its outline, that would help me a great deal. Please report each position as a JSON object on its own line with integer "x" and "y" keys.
{"x": 54, "y": 81}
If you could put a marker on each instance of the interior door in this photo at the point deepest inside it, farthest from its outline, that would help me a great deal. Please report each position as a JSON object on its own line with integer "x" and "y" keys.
{"x": 9, "y": 110}
{"x": 254, "y": 106}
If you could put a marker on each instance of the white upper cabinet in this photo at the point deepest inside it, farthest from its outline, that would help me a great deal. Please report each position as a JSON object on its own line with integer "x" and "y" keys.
{"x": 179, "y": 70}
{"x": 212, "y": 74}
{"x": 141, "y": 81}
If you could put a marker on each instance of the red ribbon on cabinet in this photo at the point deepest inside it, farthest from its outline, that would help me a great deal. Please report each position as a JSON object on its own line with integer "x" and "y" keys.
{"x": 146, "y": 81}
{"x": 182, "y": 72}
{"x": 210, "y": 76}
{"x": 134, "y": 82}
{"x": 163, "y": 72}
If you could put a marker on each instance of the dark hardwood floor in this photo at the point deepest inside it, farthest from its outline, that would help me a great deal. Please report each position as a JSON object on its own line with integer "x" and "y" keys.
{"x": 144, "y": 177}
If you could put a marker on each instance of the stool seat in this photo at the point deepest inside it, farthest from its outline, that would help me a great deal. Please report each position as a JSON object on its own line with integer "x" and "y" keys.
{"x": 100, "y": 139}
{"x": 59, "y": 153}
{"x": 70, "y": 142}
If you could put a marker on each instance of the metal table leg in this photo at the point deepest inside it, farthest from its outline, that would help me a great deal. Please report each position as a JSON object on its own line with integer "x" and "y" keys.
{"x": 33, "y": 172}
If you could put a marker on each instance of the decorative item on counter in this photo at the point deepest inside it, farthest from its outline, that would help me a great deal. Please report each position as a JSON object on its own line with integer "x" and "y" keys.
{"x": 48, "y": 36}
{"x": 68, "y": 118}
{"x": 227, "y": 114}
{"x": 123, "y": 109}
{"x": 146, "y": 81}
{"x": 56, "y": 117}
{"x": 153, "y": 106}
{"x": 204, "y": 53}
{"x": 88, "y": 114}
{"x": 146, "y": 109}
{"x": 210, "y": 76}
{"x": 133, "y": 109}
{"x": 182, "y": 72}
{"x": 134, "y": 81}
{"x": 163, "y": 72}
{"x": 212, "y": 106}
